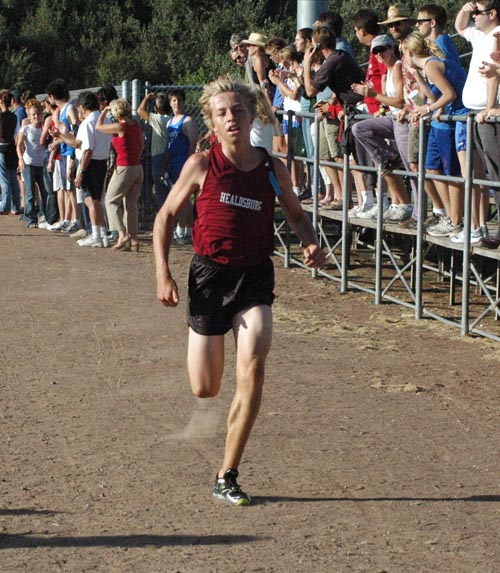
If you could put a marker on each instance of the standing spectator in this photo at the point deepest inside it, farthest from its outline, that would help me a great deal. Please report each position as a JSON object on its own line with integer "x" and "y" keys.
{"x": 92, "y": 150}
{"x": 126, "y": 181}
{"x": 158, "y": 120}
{"x": 31, "y": 154}
{"x": 478, "y": 23}
{"x": 66, "y": 113}
{"x": 431, "y": 22}
{"x": 51, "y": 152}
{"x": 182, "y": 140}
{"x": 8, "y": 157}
{"x": 366, "y": 28}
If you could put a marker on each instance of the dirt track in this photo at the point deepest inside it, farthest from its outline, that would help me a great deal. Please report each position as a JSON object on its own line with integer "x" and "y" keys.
{"x": 377, "y": 448}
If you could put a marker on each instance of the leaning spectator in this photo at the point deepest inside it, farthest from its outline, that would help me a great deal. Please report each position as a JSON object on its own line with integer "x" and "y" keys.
{"x": 157, "y": 119}
{"x": 261, "y": 63}
{"x": 446, "y": 79}
{"x": 31, "y": 154}
{"x": 126, "y": 181}
{"x": 8, "y": 157}
{"x": 236, "y": 45}
{"x": 290, "y": 86}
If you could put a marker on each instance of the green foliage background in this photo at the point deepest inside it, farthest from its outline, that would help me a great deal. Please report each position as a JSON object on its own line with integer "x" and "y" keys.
{"x": 90, "y": 42}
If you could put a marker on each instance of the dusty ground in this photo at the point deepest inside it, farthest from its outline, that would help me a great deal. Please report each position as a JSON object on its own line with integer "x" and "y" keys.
{"x": 377, "y": 448}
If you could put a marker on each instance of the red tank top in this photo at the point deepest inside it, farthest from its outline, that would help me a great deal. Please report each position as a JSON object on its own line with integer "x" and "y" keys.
{"x": 128, "y": 147}
{"x": 234, "y": 213}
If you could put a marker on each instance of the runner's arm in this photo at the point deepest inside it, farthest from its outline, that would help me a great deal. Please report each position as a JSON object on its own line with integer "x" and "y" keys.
{"x": 299, "y": 222}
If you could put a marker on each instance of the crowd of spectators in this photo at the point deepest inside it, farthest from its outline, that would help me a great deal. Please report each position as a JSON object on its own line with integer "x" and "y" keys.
{"x": 77, "y": 169}
{"x": 414, "y": 71}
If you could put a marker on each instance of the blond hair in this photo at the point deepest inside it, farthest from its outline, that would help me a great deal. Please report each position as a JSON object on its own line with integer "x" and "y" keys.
{"x": 264, "y": 110}
{"x": 226, "y": 84}
{"x": 420, "y": 46}
{"x": 120, "y": 108}
{"x": 33, "y": 102}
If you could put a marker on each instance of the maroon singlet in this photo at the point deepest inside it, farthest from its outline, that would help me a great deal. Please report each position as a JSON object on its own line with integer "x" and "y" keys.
{"x": 234, "y": 213}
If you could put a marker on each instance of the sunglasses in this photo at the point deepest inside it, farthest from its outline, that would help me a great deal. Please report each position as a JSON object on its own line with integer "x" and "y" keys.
{"x": 422, "y": 20}
{"x": 379, "y": 49}
{"x": 477, "y": 12}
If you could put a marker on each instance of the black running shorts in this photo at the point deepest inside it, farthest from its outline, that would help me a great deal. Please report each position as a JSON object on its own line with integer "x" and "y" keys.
{"x": 218, "y": 292}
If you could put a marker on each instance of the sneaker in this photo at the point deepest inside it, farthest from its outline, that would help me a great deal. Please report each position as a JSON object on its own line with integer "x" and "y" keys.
{"x": 432, "y": 220}
{"x": 43, "y": 225}
{"x": 443, "y": 229}
{"x": 113, "y": 237}
{"x": 227, "y": 488}
{"x": 73, "y": 227}
{"x": 41, "y": 219}
{"x": 90, "y": 241}
{"x": 372, "y": 212}
{"x": 80, "y": 234}
{"x": 58, "y": 227}
{"x": 475, "y": 236}
{"x": 410, "y": 223}
{"x": 398, "y": 213}
{"x": 355, "y": 211}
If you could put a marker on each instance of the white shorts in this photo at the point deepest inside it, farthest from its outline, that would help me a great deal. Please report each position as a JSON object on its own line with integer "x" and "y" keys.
{"x": 56, "y": 176}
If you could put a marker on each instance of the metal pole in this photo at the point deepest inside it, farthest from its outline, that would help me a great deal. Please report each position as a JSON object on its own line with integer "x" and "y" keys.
{"x": 379, "y": 239}
{"x": 467, "y": 228}
{"x": 126, "y": 91}
{"x": 346, "y": 246}
{"x": 420, "y": 221}
{"x": 308, "y": 12}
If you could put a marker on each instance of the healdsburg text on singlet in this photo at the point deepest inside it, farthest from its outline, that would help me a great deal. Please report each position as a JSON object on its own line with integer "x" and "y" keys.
{"x": 234, "y": 212}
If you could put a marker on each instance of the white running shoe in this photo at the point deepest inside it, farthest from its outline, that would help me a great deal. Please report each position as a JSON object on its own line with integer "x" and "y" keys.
{"x": 90, "y": 241}
{"x": 355, "y": 211}
{"x": 372, "y": 212}
{"x": 475, "y": 236}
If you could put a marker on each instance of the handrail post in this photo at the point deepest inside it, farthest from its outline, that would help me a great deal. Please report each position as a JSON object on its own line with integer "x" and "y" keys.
{"x": 467, "y": 228}
{"x": 420, "y": 221}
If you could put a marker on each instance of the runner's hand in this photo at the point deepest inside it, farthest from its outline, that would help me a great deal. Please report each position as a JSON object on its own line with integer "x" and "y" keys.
{"x": 314, "y": 256}
{"x": 167, "y": 292}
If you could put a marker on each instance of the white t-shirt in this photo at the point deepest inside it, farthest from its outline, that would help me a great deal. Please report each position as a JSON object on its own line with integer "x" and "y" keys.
{"x": 34, "y": 153}
{"x": 475, "y": 95}
{"x": 159, "y": 136}
{"x": 261, "y": 135}
{"x": 99, "y": 143}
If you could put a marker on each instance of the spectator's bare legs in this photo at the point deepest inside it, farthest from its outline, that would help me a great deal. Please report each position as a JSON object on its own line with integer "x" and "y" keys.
{"x": 437, "y": 191}
{"x": 397, "y": 189}
{"x": 252, "y": 329}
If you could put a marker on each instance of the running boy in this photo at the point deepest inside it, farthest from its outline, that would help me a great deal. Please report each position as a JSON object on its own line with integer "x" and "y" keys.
{"x": 231, "y": 276}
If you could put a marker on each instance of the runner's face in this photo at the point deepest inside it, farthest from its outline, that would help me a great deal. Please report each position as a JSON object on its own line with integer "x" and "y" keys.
{"x": 230, "y": 117}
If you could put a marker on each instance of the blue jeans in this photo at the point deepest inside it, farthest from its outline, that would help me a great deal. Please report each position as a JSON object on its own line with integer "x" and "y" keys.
{"x": 31, "y": 175}
{"x": 11, "y": 195}
{"x": 157, "y": 168}
{"x": 51, "y": 208}
{"x": 306, "y": 133}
